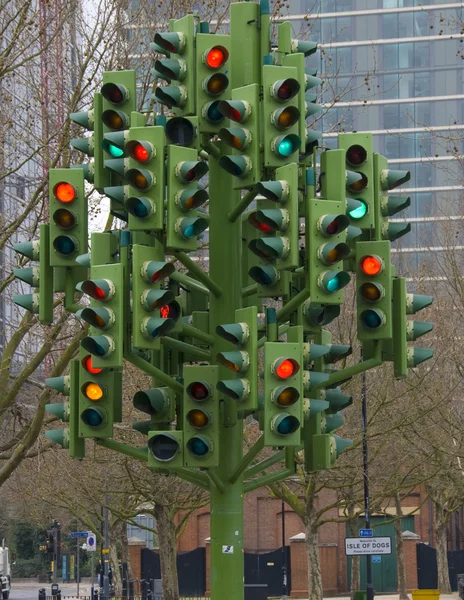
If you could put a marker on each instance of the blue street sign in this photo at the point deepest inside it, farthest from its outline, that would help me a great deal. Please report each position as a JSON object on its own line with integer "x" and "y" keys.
{"x": 366, "y": 533}
{"x": 376, "y": 559}
{"x": 75, "y": 534}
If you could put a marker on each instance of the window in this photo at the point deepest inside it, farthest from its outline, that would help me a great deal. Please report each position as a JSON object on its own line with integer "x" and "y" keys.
{"x": 390, "y": 56}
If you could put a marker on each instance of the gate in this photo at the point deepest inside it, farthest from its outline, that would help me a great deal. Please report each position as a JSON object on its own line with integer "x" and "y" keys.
{"x": 191, "y": 570}
{"x": 427, "y": 575}
{"x": 267, "y": 568}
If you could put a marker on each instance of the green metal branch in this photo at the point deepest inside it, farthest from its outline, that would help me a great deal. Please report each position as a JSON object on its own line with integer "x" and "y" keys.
{"x": 282, "y": 329}
{"x": 249, "y": 290}
{"x": 191, "y": 331}
{"x": 202, "y": 276}
{"x": 242, "y": 205}
{"x": 137, "y": 453}
{"x": 196, "y": 478}
{"x": 189, "y": 283}
{"x": 146, "y": 367}
{"x": 268, "y": 479}
{"x": 211, "y": 149}
{"x": 184, "y": 347}
{"x": 293, "y": 304}
{"x": 360, "y": 367}
{"x": 247, "y": 459}
{"x": 265, "y": 464}
{"x": 216, "y": 480}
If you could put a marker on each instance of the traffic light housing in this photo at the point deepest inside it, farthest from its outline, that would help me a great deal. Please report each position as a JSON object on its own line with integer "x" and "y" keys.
{"x": 407, "y": 330}
{"x": 184, "y": 223}
{"x": 68, "y": 216}
{"x": 326, "y": 248}
{"x": 179, "y": 68}
{"x": 212, "y": 86}
{"x": 242, "y": 136}
{"x": 148, "y": 299}
{"x": 385, "y": 205}
{"x": 201, "y": 416}
{"x": 146, "y": 178}
{"x": 40, "y": 302}
{"x": 277, "y": 219}
{"x": 67, "y": 411}
{"x": 373, "y": 290}
{"x": 283, "y": 393}
{"x": 105, "y": 314}
{"x": 281, "y": 115}
{"x": 359, "y": 159}
{"x": 100, "y": 397}
{"x": 243, "y": 361}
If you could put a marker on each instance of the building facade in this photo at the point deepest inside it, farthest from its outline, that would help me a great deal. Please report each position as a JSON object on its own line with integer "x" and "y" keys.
{"x": 395, "y": 68}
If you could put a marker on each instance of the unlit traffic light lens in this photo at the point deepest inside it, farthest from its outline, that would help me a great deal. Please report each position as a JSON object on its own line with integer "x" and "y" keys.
{"x": 356, "y": 155}
{"x": 372, "y": 318}
{"x": 93, "y": 417}
{"x": 285, "y": 90}
{"x": 371, "y": 292}
{"x": 163, "y": 447}
{"x": 197, "y": 446}
{"x": 64, "y": 218}
{"x": 65, "y": 245}
{"x": 198, "y": 391}
{"x": 198, "y": 418}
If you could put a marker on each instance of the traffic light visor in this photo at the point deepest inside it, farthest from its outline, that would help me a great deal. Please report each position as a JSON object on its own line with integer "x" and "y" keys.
{"x": 114, "y": 93}
{"x": 87, "y": 364}
{"x": 285, "y": 89}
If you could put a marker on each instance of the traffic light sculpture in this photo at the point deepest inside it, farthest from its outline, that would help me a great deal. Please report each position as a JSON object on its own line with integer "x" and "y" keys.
{"x": 225, "y": 206}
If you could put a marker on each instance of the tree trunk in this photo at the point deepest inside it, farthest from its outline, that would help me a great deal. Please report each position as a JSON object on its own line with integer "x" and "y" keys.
{"x": 125, "y": 554}
{"x": 114, "y": 537}
{"x": 167, "y": 550}
{"x": 442, "y": 547}
{"x": 355, "y": 560}
{"x": 314, "y": 565}
{"x": 400, "y": 550}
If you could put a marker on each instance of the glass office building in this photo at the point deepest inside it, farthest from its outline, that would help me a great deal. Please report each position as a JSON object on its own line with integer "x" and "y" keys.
{"x": 395, "y": 68}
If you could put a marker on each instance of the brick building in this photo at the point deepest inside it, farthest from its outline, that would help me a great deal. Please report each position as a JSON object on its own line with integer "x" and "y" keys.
{"x": 263, "y": 533}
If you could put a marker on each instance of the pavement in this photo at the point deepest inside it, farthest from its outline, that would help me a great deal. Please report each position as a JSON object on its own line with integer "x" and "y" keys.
{"x": 29, "y": 590}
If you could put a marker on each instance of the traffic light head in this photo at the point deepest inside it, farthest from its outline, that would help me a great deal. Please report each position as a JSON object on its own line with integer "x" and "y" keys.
{"x": 373, "y": 282}
{"x": 68, "y": 212}
{"x": 201, "y": 414}
{"x": 283, "y": 394}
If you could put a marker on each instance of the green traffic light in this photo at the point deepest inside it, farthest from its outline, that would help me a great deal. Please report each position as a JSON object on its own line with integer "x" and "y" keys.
{"x": 333, "y": 281}
{"x": 357, "y": 209}
{"x": 285, "y": 145}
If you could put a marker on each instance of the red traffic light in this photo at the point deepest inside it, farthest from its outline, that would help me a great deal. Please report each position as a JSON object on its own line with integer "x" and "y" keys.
{"x": 140, "y": 153}
{"x": 64, "y": 192}
{"x": 87, "y": 364}
{"x": 216, "y": 57}
{"x": 371, "y": 265}
{"x": 285, "y": 367}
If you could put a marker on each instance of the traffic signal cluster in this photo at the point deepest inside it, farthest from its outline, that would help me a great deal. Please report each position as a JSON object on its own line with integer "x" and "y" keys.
{"x": 305, "y": 230}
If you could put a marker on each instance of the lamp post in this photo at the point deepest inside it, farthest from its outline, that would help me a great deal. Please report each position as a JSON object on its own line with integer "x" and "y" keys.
{"x": 284, "y": 557}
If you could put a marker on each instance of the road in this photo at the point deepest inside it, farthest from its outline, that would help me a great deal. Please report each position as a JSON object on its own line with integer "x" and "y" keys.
{"x": 30, "y": 591}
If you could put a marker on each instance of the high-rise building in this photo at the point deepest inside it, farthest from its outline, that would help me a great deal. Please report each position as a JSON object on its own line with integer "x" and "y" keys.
{"x": 395, "y": 68}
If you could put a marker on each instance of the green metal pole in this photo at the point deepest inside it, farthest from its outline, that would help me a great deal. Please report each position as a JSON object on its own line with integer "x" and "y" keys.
{"x": 227, "y": 566}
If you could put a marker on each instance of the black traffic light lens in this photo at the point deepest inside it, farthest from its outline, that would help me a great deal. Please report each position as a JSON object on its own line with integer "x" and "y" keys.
{"x": 180, "y": 131}
{"x": 356, "y": 155}
{"x": 197, "y": 446}
{"x": 93, "y": 417}
{"x": 64, "y": 245}
{"x": 64, "y": 218}
{"x": 163, "y": 447}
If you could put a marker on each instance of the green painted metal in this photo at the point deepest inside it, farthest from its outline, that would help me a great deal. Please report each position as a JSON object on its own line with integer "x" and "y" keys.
{"x": 212, "y": 82}
{"x": 107, "y": 349}
{"x": 179, "y": 42}
{"x": 374, "y": 292}
{"x": 359, "y": 159}
{"x": 326, "y": 248}
{"x": 146, "y": 207}
{"x": 68, "y": 216}
{"x": 183, "y": 225}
